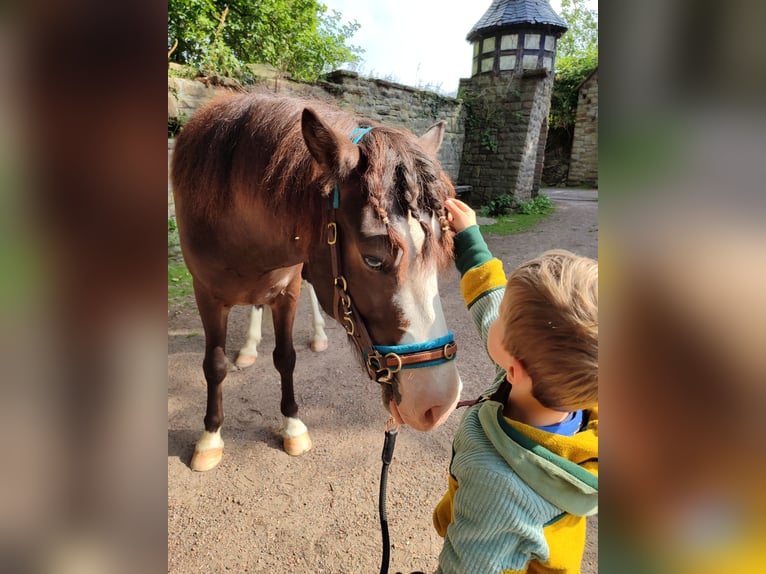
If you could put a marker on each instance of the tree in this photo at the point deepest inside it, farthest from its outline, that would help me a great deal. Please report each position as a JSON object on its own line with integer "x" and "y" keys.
{"x": 576, "y": 58}
{"x": 581, "y": 40}
{"x": 298, "y": 37}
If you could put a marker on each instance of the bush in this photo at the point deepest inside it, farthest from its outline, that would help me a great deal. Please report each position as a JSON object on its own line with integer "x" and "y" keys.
{"x": 501, "y": 205}
{"x": 540, "y": 205}
{"x": 570, "y": 73}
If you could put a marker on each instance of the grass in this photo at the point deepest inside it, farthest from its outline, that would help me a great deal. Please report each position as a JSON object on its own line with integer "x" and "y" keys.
{"x": 179, "y": 282}
{"x": 527, "y": 214}
{"x": 179, "y": 278}
{"x": 516, "y": 223}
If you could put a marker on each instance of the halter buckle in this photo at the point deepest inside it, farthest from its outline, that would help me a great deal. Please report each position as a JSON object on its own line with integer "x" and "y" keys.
{"x": 375, "y": 361}
{"x": 340, "y": 280}
{"x": 449, "y": 351}
{"x": 398, "y": 367}
{"x": 348, "y": 325}
{"x": 332, "y": 233}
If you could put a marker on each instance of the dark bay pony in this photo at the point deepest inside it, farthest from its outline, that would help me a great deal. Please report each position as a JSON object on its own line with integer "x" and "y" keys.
{"x": 269, "y": 189}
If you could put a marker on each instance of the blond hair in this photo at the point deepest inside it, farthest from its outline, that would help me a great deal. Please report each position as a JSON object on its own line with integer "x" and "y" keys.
{"x": 550, "y": 313}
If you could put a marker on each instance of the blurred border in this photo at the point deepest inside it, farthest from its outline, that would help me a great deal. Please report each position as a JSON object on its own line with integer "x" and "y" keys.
{"x": 83, "y": 290}
{"x": 682, "y": 251}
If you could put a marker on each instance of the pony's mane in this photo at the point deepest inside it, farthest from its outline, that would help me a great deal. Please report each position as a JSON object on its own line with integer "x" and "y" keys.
{"x": 258, "y": 132}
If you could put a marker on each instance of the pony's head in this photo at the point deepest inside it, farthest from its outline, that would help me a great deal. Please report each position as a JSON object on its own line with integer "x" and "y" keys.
{"x": 392, "y": 238}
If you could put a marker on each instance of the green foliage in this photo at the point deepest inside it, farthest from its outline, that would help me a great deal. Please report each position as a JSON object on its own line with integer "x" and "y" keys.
{"x": 221, "y": 37}
{"x": 179, "y": 279}
{"x": 175, "y": 125}
{"x": 581, "y": 40}
{"x": 499, "y": 205}
{"x": 174, "y": 243}
{"x": 504, "y": 204}
{"x": 489, "y": 140}
{"x": 577, "y": 57}
{"x": 571, "y": 71}
{"x": 539, "y": 205}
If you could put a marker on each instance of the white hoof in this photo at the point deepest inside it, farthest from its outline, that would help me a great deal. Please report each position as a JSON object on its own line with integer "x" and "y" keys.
{"x": 208, "y": 452}
{"x": 318, "y": 346}
{"x": 296, "y": 446}
{"x": 206, "y": 460}
{"x": 244, "y": 361}
{"x": 295, "y": 437}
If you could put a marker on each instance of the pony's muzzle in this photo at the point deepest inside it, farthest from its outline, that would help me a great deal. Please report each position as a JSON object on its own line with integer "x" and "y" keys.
{"x": 426, "y": 397}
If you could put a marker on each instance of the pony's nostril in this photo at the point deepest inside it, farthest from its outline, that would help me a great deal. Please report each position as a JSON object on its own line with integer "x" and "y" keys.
{"x": 429, "y": 417}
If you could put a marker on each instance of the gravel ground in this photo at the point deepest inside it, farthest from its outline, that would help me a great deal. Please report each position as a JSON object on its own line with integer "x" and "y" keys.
{"x": 261, "y": 510}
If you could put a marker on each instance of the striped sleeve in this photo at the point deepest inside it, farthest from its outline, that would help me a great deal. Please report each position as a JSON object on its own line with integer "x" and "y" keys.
{"x": 495, "y": 527}
{"x": 483, "y": 279}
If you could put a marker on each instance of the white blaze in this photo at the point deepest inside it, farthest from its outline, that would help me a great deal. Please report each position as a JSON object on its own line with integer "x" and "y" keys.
{"x": 418, "y": 297}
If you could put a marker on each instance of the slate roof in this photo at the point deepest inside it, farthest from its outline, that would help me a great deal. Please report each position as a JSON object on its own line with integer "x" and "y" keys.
{"x": 503, "y": 13}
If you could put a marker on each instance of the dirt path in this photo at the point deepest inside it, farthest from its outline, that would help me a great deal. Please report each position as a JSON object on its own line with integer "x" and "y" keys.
{"x": 264, "y": 511}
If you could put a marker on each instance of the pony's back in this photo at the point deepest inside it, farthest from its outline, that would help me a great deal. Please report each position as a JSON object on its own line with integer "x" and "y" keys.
{"x": 236, "y": 140}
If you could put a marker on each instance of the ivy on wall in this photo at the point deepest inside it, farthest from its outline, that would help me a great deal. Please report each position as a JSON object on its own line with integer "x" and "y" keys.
{"x": 571, "y": 71}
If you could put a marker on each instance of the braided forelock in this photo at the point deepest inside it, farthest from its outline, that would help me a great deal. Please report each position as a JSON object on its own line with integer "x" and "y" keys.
{"x": 399, "y": 172}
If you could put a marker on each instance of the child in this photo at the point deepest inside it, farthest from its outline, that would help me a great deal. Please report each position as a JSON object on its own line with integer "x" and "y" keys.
{"x": 524, "y": 466}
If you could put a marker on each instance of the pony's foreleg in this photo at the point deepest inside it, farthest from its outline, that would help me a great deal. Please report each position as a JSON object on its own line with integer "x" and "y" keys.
{"x": 318, "y": 341}
{"x": 209, "y": 448}
{"x": 295, "y": 436}
{"x": 249, "y": 353}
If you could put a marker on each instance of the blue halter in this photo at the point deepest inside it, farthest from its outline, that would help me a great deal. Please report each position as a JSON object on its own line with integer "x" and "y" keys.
{"x": 356, "y": 136}
{"x": 382, "y": 361}
{"x": 445, "y": 344}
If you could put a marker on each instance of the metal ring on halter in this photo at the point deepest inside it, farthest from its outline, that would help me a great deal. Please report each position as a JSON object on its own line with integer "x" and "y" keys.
{"x": 396, "y": 369}
{"x": 449, "y": 352}
{"x": 341, "y": 279}
{"x": 332, "y": 233}
{"x": 345, "y": 300}
{"x": 349, "y": 325}
{"x": 375, "y": 362}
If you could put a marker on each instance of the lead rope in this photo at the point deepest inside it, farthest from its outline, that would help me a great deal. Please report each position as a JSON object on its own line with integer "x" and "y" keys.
{"x": 388, "y": 454}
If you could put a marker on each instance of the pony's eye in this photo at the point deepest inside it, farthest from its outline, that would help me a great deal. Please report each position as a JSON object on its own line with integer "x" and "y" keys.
{"x": 373, "y": 262}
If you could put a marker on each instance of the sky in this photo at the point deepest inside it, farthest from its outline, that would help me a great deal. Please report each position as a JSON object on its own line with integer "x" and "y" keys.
{"x": 418, "y": 43}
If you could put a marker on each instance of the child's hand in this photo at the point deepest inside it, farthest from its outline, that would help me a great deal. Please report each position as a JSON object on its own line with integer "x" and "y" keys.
{"x": 459, "y": 215}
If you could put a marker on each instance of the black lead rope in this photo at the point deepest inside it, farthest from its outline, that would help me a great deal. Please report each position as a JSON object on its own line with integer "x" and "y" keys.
{"x": 387, "y": 456}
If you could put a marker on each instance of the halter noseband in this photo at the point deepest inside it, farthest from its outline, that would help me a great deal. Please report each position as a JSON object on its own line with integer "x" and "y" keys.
{"x": 382, "y": 361}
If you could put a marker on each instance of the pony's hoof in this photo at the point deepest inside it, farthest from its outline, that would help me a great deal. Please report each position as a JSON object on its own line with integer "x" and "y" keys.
{"x": 297, "y": 445}
{"x": 245, "y": 361}
{"x": 318, "y": 346}
{"x": 205, "y": 460}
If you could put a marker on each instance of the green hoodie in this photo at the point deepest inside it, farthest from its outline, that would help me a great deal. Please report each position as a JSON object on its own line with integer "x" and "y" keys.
{"x": 517, "y": 495}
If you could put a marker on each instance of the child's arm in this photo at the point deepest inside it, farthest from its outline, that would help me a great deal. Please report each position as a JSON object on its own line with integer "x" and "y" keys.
{"x": 495, "y": 527}
{"x": 483, "y": 279}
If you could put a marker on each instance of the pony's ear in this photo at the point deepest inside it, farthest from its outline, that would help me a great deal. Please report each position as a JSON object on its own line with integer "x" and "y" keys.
{"x": 431, "y": 141}
{"x": 330, "y": 149}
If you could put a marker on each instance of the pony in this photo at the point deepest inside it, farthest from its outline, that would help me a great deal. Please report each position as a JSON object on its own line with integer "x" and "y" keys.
{"x": 271, "y": 189}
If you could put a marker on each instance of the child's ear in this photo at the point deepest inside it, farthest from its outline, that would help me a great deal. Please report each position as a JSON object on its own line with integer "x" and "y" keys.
{"x": 517, "y": 374}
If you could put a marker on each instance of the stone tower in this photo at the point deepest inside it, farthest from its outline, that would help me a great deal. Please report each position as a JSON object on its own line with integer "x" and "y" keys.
{"x": 507, "y": 99}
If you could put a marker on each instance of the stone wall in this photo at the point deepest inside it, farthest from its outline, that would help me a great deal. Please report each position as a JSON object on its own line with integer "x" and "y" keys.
{"x": 583, "y": 164}
{"x": 386, "y": 102}
{"x": 506, "y": 128}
